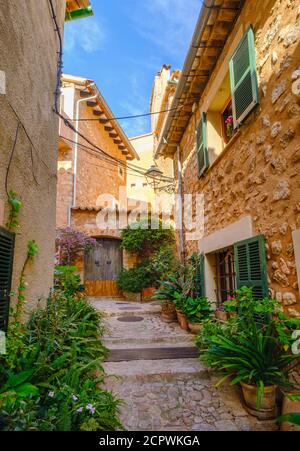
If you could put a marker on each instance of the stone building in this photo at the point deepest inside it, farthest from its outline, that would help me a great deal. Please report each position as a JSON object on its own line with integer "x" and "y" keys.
{"x": 92, "y": 181}
{"x": 234, "y": 138}
{"x": 28, "y": 77}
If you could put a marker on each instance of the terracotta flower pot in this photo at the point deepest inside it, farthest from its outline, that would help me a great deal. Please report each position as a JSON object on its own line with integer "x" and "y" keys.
{"x": 221, "y": 315}
{"x": 168, "y": 317}
{"x": 182, "y": 319}
{"x": 195, "y": 327}
{"x": 168, "y": 312}
{"x": 290, "y": 406}
{"x": 267, "y": 409}
{"x": 147, "y": 294}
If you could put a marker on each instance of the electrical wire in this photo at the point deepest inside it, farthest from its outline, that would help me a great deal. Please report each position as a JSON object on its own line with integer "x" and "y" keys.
{"x": 111, "y": 119}
{"x": 68, "y": 122}
{"x": 11, "y": 158}
{"x": 116, "y": 162}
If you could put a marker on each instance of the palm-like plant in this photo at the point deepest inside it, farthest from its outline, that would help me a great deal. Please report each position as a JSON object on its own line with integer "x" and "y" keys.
{"x": 254, "y": 357}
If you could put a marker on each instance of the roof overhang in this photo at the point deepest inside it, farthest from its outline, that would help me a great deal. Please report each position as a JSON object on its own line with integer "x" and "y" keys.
{"x": 215, "y": 23}
{"x": 106, "y": 117}
{"x": 78, "y": 9}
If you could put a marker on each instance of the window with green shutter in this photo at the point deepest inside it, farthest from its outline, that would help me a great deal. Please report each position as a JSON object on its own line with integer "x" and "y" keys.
{"x": 200, "y": 278}
{"x": 243, "y": 79}
{"x": 7, "y": 243}
{"x": 251, "y": 265}
{"x": 202, "y": 150}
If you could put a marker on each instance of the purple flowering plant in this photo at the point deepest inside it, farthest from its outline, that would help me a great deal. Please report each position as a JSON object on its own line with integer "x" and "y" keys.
{"x": 71, "y": 244}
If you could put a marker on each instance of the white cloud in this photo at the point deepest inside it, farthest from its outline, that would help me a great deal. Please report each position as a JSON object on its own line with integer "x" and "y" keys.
{"x": 88, "y": 35}
{"x": 168, "y": 24}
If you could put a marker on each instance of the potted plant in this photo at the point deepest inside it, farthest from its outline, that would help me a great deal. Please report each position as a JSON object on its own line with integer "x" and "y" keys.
{"x": 179, "y": 300}
{"x": 229, "y": 126}
{"x": 255, "y": 359}
{"x": 165, "y": 294}
{"x": 231, "y": 307}
{"x": 290, "y": 419}
{"x": 221, "y": 313}
{"x": 197, "y": 310}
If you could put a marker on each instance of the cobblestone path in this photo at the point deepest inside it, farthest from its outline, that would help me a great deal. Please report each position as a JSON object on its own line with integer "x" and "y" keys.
{"x": 168, "y": 394}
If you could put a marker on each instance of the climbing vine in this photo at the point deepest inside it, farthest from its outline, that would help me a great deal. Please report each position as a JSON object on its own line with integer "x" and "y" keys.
{"x": 15, "y": 206}
{"x": 32, "y": 251}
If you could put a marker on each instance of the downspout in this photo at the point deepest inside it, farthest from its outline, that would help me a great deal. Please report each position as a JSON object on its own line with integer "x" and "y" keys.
{"x": 180, "y": 212}
{"x": 78, "y": 103}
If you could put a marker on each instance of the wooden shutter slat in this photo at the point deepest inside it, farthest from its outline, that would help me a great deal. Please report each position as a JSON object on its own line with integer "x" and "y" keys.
{"x": 243, "y": 78}
{"x": 7, "y": 242}
{"x": 200, "y": 277}
{"x": 202, "y": 150}
{"x": 251, "y": 267}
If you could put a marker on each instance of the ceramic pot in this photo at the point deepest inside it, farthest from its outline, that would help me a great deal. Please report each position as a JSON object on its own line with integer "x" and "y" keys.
{"x": 267, "y": 409}
{"x": 182, "y": 319}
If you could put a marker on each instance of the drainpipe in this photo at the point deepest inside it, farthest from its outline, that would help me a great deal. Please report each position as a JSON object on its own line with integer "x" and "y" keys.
{"x": 78, "y": 103}
{"x": 180, "y": 193}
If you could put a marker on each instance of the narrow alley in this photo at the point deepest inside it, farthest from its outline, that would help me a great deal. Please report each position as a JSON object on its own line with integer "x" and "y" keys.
{"x": 173, "y": 392}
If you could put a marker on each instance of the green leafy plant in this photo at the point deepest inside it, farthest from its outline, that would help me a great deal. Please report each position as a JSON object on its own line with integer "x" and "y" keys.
{"x": 51, "y": 375}
{"x": 253, "y": 357}
{"x": 15, "y": 206}
{"x": 144, "y": 239}
{"x": 133, "y": 280}
{"x": 293, "y": 418}
{"x": 32, "y": 251}
{"x": 197, "y": 309}
{"x": 67, "y": 279}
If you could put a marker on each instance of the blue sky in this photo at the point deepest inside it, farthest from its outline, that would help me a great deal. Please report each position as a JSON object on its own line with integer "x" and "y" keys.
{"x": 124, "y": 45}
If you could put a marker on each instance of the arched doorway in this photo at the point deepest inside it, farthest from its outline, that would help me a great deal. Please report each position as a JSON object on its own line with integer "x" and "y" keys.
{"x": 102, "y": 266}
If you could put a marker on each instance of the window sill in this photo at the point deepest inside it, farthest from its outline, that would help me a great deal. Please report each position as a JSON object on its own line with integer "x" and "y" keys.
{"x": 224, "y": 151}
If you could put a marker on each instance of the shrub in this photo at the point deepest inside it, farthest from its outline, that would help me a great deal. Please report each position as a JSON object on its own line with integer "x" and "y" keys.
{"x": 254, "y": 357}
{"x": 48, "y": 376}
{"x": 71, "y": 244}
{"x": 197, "y": 309}
{"x": 133, "y": 280}
{"x": 67, "y": 279}
{"x": 141, "y": 239}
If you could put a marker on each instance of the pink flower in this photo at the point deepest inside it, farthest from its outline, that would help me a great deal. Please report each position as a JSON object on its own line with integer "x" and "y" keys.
{"x": 229, "y": 120}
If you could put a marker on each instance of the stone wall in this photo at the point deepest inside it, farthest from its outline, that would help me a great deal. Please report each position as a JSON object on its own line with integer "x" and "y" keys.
{"x": 258, "y": 173}
{"x": 28, "y": 67}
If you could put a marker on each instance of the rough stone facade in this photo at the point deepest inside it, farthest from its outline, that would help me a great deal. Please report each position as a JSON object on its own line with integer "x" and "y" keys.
{"x": 28, "y": 68}
{"x": 257, "y": 174}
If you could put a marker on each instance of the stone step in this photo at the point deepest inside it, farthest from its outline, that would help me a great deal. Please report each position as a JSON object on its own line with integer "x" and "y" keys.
{"x": 155, "y": 370}
{"x": 136, "y": 343}
{"x": 119, "y": 308}
{"x": 156, "y": 353}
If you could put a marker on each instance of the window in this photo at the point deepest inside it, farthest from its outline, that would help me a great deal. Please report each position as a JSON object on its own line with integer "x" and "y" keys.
{"x": 236, "y": 97}
{"x": 251, "y": 266}
{"x": 133, "y": 185}
{"x": 7, "y": 242}
{"x": 145, "y": 185}
{"x": 225, "y": 275}
{"x": 243, "y": 78}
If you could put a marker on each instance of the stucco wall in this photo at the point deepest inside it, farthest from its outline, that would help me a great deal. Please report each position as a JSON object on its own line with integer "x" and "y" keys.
{"x": 28, "y": 57}
{"x": 258, "y": 174}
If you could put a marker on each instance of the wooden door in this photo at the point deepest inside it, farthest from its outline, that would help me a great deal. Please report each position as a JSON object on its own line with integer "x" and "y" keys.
{"x": 102, "y": 266}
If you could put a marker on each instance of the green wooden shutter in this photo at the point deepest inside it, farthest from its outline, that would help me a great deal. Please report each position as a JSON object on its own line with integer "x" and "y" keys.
{"x": 200, "y": 277}
{"x": 202, "y": 150}
{"x": 243, "y": 79}
{"x": 251, "y": 265}
{"x": 7, "y": 243}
